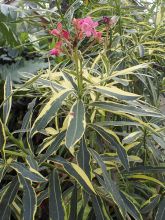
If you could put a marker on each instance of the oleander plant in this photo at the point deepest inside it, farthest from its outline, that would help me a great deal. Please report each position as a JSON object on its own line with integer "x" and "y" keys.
{"x": 82, "y": 130}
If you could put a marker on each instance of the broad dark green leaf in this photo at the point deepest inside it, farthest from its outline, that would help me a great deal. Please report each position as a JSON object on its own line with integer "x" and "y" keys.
{"x": 30, "y": 174}
{"x": 49, "y": 110}
{"x": 29, "y": 199}
{"x": 113, "y": 139}
{"x": 83, "y": 157}
{"x": 56, "y": 208}
{"x": 76, "y": 124}
{"x": 160, "y": 215}
{"x": 7, "y": 93}
{"x": 110, "y": 185}
{"x": 54, "y": 146}
{"x": 8, "y": 198}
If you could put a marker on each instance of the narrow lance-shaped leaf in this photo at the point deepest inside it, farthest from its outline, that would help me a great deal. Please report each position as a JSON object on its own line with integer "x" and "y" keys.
{"x": 7, "y": 93}
{"x": 113, "y": 139}
{"x": 118, "y": 107}
{"x": 29, "y": 199}
{"x": 130, "y": 206}
{"x": 83, "y": 157}
{"x": 56, "y": 208}
{"x": 76, "y": 124}
{"x": 30, "y": 174}
{"x": 160, "y": 215}
{"x": 147, "y": 178}
{"x": 8, "y": 198}
{"x": 49, "y": 110}
{"x": 54, "y": 146}
{"x": 110, "y": 185}
{"x": 98, "y": 208}
{"x": 2, "y": 138}
{"x": 75, "y": 171}
{"x": 42, "y": 196}
{"x": 115, "y": 92}
{"x": 2, "y": 172}
{"x": 150, "y": 204}
{"x": 26, "y": 123}
{"x": 73, "y": 204}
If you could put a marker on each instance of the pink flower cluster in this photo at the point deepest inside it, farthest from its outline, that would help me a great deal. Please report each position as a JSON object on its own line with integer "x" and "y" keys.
{"x": 84, "y": 27}
{"x": 87, "y": 27}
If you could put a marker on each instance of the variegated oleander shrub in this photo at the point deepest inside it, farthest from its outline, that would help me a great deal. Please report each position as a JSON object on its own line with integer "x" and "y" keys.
{"x": 91, "y": 142}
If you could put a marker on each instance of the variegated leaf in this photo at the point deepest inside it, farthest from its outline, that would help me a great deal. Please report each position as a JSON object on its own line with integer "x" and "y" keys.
{"x": 76, "y": 124}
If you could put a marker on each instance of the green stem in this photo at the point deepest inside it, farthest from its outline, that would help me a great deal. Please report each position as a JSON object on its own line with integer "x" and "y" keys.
{"x": 78, "y": 65}
{"x": 17, "y": 142}
{"x": 15, "y": 153}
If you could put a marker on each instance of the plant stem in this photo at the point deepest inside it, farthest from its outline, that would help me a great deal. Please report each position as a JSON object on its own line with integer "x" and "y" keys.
{"x": 78, "y": 65}
{"x": 17, "y": 142}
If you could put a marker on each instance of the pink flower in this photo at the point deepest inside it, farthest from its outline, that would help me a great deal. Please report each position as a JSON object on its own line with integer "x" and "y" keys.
{"x": 57, "y": 49}
{"x": 60, "y": 32}
{"x": 55, "y": 52}
{"x": 85, "y": 26}
{"x": 97, "y": 35}
{"x": 65, "y": 34}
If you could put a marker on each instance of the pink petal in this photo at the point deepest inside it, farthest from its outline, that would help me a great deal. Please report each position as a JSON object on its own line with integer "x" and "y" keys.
{"x": 55, "y": 52}
{"x": 55, "y": 32}
{"x": 59, "y": 26}
{"x": 65, "y": 34}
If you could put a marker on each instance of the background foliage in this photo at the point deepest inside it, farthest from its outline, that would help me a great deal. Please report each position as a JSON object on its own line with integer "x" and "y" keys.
{"x": 89, "y": 152}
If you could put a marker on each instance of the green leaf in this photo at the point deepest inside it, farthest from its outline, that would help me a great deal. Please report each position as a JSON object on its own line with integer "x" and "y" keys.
{"x": 2, "y": 138}
{"x": 31, "y": 174}
{"x": 109, "y": 184}
{"x": 54, "y": 146}
{"x": 150, "y": 204}
{"x": 76, "y": 124}
{"x": 42, "y": 196}
{"x": 117, "y": 107}
{"x": 130, "y": 206}
{"x": 49, "y": 110}
{"x": 76, "y": 171}
{"x": 132, "y": 137}
{"x": 26, "y": 123}
{"x": 56, "y": 208}
{"x": 29, "y": 199}
{"x": 83, "y": 157}
{"x": 115, "y": 92}
{"x": 113, "y": 139}
{"x": 7, "y": 93}
{"x": 8, "y": 198}
{"x": 160, "y": 215}
{"x": 73, "y": 204}
{"x": 2, "y": 172}
{"x": 98, "y": 208}
{"x": 145, "y": 177}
